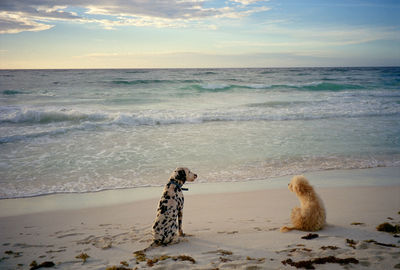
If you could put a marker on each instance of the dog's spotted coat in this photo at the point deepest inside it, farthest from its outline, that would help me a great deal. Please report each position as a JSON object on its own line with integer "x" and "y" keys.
{"x": 170, "y": 207}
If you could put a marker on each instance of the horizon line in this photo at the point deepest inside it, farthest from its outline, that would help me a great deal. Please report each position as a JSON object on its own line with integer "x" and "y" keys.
{"x": 160, "y": 68}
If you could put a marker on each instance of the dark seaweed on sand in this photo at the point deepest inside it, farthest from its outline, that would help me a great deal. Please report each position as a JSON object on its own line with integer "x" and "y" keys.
{"x": 83, "y": 257}
{"x": 387, "y": 227}
{"x": 351, "y": 243}
{"x": 380, "y": 244}
{"x": 357, "y": 223}
{"x": 35, "y": 266}
{"x": 310, "y": 236}
{"x": 329, "y": 247}
{"x": 117, "y": 268}
{"x": 309, "y": 264}
{"x": 151, "y": 262}
{"x": 141, "y": 257}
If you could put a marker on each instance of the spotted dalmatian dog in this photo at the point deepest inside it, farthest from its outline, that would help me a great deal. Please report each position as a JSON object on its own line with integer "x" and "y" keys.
{"x": 170, "y": 207}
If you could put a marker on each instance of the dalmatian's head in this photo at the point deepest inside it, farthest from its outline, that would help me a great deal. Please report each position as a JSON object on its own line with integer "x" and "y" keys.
{"x": 183, "y": 174}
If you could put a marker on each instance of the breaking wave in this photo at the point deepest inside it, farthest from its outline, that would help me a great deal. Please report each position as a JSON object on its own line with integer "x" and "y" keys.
{"x": 12, "y": 92}
{"x": 301, "y": 87}
{"x": 61, "y": 121}
{"x": 143, "y": 82}
{"x": 178, "y": 117}
{"x": 331, "y": 87}
{"x": 44, "y": 117}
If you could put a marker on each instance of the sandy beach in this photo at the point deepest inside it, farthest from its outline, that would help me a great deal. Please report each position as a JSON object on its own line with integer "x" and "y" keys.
{"x": 228, "y": 226}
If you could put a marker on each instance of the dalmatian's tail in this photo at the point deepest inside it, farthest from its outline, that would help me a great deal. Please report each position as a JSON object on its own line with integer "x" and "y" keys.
{"x": 142, "y": 251}
{"x": 152, "y": 245}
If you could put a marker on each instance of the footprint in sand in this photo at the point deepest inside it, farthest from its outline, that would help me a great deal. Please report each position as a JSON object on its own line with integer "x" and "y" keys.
{"x": 69, "y": 235}
{"x": 231, "y": 232}
{"x": 102, "y": 242}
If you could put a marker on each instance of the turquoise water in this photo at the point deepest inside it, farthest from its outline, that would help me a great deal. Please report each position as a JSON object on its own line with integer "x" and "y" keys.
{"x": 89, "y": 130}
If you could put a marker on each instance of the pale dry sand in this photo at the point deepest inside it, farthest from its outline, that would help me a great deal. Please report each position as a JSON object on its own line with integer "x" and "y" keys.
{"x": 237, "y": 230}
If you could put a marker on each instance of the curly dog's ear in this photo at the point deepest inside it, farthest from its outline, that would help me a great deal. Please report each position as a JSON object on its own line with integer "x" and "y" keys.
{"x": 303, "y": 188}
{"x": 301, "y": 185}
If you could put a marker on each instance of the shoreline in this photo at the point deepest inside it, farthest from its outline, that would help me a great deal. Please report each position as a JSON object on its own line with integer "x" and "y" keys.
{"x": 381, "y": 176}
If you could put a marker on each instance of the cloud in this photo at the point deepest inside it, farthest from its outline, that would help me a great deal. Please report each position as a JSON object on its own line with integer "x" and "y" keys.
{"x": 37, "y": 15}
{"x": 247, "y": 2}
{"x": 19, "y": 16}
{"x": 11, "y": 23}
{"x": 168, "y": 9}
{"x": 41, "y": 9}
{"x": 338, "y": 36}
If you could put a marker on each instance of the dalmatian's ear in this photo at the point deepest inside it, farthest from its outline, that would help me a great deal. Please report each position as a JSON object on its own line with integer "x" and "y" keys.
{"x": 180, "y": 175}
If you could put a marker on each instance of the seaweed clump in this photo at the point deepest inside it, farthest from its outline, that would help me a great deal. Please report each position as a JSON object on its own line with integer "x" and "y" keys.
{"x": 380, "y": 244}
{"x": 140, "y": 256}
{"x": 351, "y": 243}
{"x": 309, "y": 264}
{"x": 117, "y": 268}
{"x": 83, "y": 257}
{"x": 310, "y": 236}
{"x": 258, "y": 260}
{"x": 151, "y": 262}
{"x": 224, "y": 252}
{"x": 387, "y": 227}
{"x": 329, "y": 247}
{"x": 184, "y": 258}
{"x": 357, "y": 224}
{"x": 122, "y": 267}
{"x": 35, "y": 266}
{"x": 16, "y": 254}
{"x": 221, "y": 252}
{"x": 124, "y": 263}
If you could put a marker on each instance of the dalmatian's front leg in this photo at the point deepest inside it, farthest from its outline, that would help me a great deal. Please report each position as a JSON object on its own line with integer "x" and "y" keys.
{"x": 180, "y": 217}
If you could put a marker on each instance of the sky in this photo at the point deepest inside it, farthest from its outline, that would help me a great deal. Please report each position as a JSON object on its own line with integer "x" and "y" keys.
{"x": 198, "y": 33}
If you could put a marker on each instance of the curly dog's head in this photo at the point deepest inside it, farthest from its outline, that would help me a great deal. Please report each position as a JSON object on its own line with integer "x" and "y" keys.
{"x": 300, "y": 185}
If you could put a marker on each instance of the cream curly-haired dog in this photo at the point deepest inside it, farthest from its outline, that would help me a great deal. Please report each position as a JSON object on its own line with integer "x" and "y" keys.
{"x": 311, "y": 215}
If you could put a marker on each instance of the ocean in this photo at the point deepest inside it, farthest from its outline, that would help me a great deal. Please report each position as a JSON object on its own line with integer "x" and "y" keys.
{"x": 75, "y": 131}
